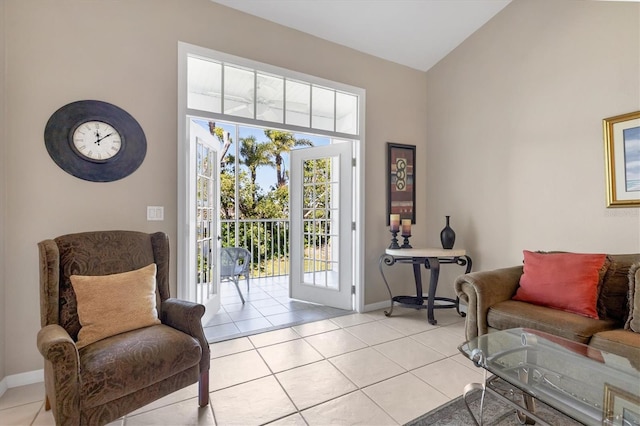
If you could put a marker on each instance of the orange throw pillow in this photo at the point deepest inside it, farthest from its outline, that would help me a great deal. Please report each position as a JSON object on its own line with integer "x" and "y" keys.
{"x": 566, "y": 281}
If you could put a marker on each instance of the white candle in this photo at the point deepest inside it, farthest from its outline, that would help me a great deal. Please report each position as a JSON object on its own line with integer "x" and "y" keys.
{"x": 394, "y": 222}
{"x": 406, "y": 227}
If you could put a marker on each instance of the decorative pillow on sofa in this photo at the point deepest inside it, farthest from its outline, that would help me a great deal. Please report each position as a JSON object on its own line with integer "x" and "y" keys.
{"x": 566, "y": 281}
{"x": 633, "y": 323}
{"x": 112, "y": 304}
{"x": 613, "y": 299}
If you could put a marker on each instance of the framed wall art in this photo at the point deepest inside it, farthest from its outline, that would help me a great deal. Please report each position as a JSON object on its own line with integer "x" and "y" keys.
{"x": 621, "y": 408}
{"x": 622, "y": 154}
{"x": 401, "y": 189}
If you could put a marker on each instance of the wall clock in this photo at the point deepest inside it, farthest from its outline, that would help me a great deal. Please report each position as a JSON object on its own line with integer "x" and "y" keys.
{"x": 95, "y": 141}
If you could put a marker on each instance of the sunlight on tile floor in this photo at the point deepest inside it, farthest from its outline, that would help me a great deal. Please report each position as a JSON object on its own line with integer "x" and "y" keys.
{"x": 267, "y": 307}
{"x": 353, "y": 369}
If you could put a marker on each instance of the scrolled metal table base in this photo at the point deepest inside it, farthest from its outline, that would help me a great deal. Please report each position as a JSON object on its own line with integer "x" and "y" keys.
{"x": 418, "y": 301}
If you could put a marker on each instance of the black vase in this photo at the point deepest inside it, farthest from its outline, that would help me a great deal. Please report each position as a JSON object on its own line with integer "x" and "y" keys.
{"x": 447, "y": 236}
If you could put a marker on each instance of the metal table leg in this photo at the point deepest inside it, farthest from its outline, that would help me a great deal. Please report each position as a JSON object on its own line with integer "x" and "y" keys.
{"x": 417, "y": 275}
{"x": 434, "y": 266}
{"x": 385, "y": 259}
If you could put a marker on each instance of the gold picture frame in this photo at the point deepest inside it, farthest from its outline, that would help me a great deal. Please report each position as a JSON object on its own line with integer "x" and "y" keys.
{"x": 621, "y": 408}
{"x": 622, "y": 155}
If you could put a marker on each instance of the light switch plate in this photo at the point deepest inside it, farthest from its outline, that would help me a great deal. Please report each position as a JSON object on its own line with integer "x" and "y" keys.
{"x": 155, "y": 213}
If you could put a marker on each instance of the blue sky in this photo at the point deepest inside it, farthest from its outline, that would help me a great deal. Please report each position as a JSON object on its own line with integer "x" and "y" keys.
{"x": 632, "y": 158}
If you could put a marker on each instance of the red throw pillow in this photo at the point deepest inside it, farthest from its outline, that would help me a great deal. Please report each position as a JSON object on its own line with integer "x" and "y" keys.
{"x": 566, "y": 281}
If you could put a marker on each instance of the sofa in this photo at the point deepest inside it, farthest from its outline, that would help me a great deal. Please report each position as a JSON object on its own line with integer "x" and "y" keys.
{"x": 492, "y": 301}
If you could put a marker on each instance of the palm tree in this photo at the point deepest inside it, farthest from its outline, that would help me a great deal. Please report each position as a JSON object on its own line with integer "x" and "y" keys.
{"x": 280, "y": 143}
{"x": 225, "y": 140}
{"x": 253, "y": 155}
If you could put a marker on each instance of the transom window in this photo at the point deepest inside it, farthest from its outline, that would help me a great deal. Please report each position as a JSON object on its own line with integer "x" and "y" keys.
{"x": 230, "y": 89}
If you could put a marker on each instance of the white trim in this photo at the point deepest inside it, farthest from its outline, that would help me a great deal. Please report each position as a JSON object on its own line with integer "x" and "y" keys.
{"x": 21, "y": 379}
{"x": 359, "y": 195}
{"x": 376, "y": 306}
{"x": 183, "y": 155}
{"x": 186, "y": 49}
{"x": 254, "y": 122}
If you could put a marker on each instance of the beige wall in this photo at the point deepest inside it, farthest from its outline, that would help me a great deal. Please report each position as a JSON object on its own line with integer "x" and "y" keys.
{"x": 515, "y": 151}
{"x": 508, "y": 135}
{"x": 125, "y": 52}
{"x": 3, "y": 204}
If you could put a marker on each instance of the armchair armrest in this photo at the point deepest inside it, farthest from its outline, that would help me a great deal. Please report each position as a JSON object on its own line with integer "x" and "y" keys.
{"x": 186, "y": 316}
{"x": 62, "y": 371}
{"x": 57, "y": 347}
{"x": 481, "y": 290}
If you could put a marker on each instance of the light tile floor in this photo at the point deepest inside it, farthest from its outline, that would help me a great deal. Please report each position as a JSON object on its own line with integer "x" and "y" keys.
{"x": 362, "y": 369}
{"x": 267, "y": 307}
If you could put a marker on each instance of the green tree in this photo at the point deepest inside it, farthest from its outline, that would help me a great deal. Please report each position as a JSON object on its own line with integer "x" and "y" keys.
{"x": 225, "y": 139}
{"x": 228, "y": 200}
{"x": 240, "y": 191}
{"x": 275, "y": 204}
{"x": 280, "y": 143}
{"x": 254, "y": 154}
{"x": 317, "y": 194}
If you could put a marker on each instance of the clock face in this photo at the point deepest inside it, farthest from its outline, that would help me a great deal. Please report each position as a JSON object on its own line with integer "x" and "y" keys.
{"x": 97, "y": 141}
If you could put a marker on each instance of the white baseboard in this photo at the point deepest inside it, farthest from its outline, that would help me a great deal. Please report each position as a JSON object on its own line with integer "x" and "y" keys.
{"x": 22, "y": 379}
{"x": 375, "y": 306}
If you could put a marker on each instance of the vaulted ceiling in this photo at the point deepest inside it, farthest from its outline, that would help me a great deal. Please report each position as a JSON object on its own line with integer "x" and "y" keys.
{"x": 415, "y": 33}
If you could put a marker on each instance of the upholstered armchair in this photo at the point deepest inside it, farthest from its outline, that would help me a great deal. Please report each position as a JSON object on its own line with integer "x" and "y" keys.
{"x": 89, "y": 285}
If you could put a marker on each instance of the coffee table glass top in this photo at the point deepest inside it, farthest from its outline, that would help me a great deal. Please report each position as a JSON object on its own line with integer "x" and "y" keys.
{"x": 571, "y": 377}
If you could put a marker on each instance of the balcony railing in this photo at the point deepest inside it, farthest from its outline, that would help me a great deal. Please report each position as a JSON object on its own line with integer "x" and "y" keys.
{"x": 266, "y": 239}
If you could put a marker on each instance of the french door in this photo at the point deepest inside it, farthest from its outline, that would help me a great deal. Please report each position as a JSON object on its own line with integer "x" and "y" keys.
{"x": 205, "y": 213}
{"x": 321, "y": 216}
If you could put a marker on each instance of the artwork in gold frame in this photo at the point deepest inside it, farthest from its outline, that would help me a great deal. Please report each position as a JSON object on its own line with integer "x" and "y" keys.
{"x": 622, "y": 154}
{"x": 621, "y": 408}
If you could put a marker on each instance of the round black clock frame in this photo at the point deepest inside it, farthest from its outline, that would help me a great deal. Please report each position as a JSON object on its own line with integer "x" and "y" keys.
{"x": 58, "y": 135}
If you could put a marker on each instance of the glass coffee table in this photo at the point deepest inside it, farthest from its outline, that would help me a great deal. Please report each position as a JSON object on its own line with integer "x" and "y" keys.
{"x": 590, "y": 386}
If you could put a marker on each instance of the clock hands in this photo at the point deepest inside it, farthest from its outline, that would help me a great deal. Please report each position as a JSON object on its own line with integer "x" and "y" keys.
{"x": 101, "y": 138}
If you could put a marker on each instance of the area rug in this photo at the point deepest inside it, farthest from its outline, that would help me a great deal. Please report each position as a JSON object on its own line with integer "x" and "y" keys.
{"x": 496, "y": 413}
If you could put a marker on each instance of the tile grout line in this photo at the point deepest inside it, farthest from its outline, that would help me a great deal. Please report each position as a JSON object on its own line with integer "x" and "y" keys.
{"x": 371, "y": 319}
{"x": 358, "y": 387}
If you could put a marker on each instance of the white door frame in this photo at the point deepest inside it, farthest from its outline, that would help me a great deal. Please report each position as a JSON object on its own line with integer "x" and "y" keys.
{"x": 185, "y": 167}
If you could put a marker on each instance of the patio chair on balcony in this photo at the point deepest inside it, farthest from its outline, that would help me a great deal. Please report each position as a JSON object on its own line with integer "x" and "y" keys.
{"x": 234, "y": 263}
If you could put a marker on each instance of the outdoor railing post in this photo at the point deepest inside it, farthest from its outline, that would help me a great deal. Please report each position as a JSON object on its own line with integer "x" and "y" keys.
{"x": 264, "y": 238}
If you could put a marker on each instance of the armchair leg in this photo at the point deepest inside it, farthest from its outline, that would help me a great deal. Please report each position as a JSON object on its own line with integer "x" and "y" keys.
{"x": 47, "y": 403}
{"x": 235, "y": 281}
{"x": 203, "y": 389}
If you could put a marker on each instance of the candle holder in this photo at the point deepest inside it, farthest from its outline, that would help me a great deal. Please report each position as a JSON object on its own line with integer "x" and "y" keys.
{"x": 406, "y": 244}
{"x": 394, "y": 240}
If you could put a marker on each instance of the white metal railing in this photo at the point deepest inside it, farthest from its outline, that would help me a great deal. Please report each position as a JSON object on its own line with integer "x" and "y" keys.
{"x": 266, "y": 239}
